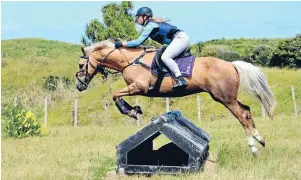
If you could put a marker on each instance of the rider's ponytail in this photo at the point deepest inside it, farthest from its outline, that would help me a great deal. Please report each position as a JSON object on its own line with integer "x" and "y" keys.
{"x": 159, "y": 19}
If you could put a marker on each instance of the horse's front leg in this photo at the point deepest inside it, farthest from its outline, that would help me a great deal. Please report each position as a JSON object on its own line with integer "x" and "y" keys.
{"x": 123, "y": 106}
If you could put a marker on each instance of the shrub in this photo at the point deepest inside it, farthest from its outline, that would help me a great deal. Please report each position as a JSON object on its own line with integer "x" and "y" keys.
{"x": 261, "y": 55}
{"x": 288, "y": 53}
{"x": 67, "y": 81}
{"x": 19, "y": 122}
{"x": 228, "y": 55}
{"x": 51, "y": 82}
{"x": 3, "y": 60}
{"x": 220, "y": 52}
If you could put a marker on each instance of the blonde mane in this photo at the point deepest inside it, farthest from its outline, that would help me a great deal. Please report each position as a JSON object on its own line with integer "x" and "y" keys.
{"x": 99, "y": 45}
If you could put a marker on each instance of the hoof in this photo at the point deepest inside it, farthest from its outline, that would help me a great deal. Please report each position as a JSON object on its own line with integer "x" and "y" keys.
{"x": 138, "y": 109}
{"x": 255, "y": 151}
{"x": 262, "y": 142}
{"x": 255, "y": 154}
{"x": 133, "y": 114}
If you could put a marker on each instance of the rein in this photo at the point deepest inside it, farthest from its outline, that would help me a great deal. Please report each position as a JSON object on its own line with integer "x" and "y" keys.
{"x": 134, "y": 62}
{"x": 105, "y": 71}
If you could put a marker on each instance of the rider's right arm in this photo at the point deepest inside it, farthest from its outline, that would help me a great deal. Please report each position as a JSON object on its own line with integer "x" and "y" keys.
{"x": 148, "y": 29}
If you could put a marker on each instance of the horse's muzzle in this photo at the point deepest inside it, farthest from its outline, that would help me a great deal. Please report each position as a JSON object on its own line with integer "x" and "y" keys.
{"x": 81, "y": 86}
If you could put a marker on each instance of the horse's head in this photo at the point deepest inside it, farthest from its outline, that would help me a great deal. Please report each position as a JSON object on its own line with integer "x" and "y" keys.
{"x": 96, "y": 58}
{"x": 88, "y": 68}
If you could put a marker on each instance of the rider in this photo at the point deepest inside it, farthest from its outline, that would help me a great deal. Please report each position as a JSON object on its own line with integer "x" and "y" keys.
{"x": 164, "y": 33}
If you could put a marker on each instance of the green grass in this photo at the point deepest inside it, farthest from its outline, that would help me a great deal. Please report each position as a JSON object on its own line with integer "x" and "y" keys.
{"x": 88, "y": 152}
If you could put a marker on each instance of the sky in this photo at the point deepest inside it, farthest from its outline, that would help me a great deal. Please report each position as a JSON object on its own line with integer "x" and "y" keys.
{"x": 202, "y": 21}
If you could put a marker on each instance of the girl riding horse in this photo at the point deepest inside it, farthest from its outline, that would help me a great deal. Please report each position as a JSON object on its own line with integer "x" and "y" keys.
{"x": 219, "y": 78}
{"x": 164, "y": 33}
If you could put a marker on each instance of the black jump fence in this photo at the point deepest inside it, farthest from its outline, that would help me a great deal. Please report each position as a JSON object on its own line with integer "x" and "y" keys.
{"x": 187, "y": 151}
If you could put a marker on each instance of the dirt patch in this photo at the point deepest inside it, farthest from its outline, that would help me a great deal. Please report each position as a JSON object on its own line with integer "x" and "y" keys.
{"x": 211, "y": 164}
{"x": 210, "y": 167}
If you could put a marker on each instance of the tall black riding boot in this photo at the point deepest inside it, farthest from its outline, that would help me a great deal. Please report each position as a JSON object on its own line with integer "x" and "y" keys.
{"x": 180, "y": 83}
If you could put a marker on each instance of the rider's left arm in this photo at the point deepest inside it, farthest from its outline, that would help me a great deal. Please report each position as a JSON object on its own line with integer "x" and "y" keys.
{"x": 143, "y": 37}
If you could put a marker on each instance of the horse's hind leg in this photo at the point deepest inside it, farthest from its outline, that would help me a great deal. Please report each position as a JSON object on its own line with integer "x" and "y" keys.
{"x": 243, "y": 114}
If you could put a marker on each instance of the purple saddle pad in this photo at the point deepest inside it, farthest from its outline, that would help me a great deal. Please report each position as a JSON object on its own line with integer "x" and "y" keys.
{"x": 185, "y": 65}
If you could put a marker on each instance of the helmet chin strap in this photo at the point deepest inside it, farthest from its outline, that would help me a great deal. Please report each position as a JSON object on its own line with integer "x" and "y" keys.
{"x": 144, "y": 21}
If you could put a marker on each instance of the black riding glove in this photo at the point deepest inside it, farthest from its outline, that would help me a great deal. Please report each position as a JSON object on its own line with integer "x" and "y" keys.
{"x": 118, "y": 44}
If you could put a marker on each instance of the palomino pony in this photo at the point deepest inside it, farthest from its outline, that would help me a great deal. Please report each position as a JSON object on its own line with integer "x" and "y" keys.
{"x": 221, "y": 79}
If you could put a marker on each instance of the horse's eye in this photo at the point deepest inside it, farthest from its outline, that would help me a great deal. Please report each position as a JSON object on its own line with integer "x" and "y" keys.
{"x": 81, "y": 66}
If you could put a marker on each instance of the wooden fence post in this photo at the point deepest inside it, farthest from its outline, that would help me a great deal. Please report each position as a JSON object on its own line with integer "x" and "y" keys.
{"x": 167, "y": 104}
{"x": 199, "y": 108}
{"x": 294, "y": 100}
{"x": 138, "y": 115}
{"x": 75, "y": 112}
{"x": 15, "y": 101}
{"x": 45, "y": 111}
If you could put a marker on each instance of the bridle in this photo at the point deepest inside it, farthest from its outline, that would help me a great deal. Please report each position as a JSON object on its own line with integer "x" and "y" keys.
{"x": 98, "y": 68}
{"x": 104, "y": 70}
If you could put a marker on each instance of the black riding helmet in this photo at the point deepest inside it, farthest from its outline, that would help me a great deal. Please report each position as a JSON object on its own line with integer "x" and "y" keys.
{"x": 144, "y": 11}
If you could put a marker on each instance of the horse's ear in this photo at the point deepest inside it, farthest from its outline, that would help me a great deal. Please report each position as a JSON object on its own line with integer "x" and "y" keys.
{"x": 83, "y": 50}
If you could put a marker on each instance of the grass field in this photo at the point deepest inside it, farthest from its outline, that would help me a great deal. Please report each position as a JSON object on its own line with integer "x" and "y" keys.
{"x": 89, "y": 152}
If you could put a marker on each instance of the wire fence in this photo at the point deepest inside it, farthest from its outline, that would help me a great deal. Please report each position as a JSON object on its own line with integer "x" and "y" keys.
{"x": 106, "y": 109}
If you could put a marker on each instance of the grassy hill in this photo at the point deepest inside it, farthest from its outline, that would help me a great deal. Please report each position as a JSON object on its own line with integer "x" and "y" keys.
{"x": 27, "y": 62}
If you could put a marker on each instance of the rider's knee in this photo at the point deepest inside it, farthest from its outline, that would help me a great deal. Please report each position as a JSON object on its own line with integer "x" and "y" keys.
{"x": 165, "y": 57}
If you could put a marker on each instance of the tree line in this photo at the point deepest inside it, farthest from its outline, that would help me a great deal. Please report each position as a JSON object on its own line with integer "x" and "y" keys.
{"x": 118, "y": 24}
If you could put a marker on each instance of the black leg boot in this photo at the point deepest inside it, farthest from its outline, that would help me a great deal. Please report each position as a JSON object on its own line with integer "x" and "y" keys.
{"x": 180, "y": 83}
